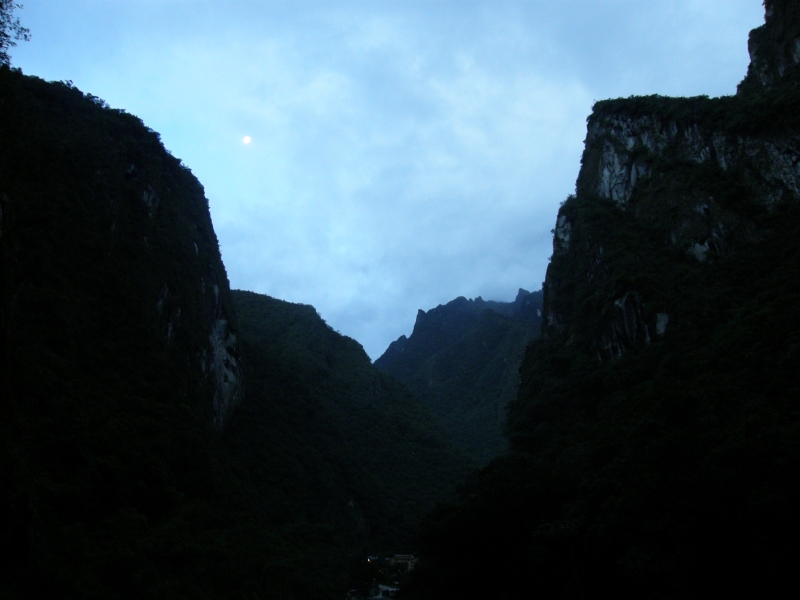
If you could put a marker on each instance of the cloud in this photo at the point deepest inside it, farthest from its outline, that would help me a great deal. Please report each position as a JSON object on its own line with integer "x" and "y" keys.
{"x": 403, "y": 153}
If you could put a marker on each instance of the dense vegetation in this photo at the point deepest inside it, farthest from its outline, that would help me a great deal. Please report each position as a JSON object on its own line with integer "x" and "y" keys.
{"x": 462, "y": 361}
{"x": 671, "y": 471}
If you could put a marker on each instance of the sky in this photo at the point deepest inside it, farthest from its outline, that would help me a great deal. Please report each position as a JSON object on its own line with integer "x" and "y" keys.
{"x": 401, "y": 153}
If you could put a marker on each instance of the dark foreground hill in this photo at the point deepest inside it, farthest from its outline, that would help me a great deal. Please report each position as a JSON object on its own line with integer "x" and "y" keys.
{"x": 656, "y": 436}
{"x": 119, "y": 355}
{"x": 322, "y": 430}
{"x": 144, "y": 453}
{"x": 462, "y": 362}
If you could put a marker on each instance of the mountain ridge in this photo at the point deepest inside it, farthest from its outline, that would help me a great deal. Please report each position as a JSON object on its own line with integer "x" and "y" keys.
{"x": 461, "y": 362}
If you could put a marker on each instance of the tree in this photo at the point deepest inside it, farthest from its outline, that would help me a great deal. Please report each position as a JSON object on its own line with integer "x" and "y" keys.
{"x": 10, "y": 29}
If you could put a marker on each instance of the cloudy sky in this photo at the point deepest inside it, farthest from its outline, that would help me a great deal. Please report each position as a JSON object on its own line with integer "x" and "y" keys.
{"x": 403, "y": 152}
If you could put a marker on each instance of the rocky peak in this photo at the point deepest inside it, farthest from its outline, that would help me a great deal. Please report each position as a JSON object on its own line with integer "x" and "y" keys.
{"x": 394, "y": 350}
{"x": 440, "y": 327}
{"x": 774, "y": 47}
{"x": 680, "y": 181}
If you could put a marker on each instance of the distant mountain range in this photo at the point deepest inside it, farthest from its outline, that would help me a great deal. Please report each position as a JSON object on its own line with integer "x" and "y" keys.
{"x": 462, "y": 362}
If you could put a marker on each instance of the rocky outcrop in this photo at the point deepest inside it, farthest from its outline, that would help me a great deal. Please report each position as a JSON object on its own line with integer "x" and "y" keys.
{"x": 111, "y": 219}
{"x": 622, "y": 150}
{"x": 774, "y": 47}
{"x": 222, "y": 366}
{"x": 677, "y": 182}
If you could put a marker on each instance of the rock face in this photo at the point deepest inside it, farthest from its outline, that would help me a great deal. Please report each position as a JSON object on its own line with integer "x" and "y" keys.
{"x": 689, "y": 176}
{"x": 110, "y": 206}
{"x": 774, "y": 47}
{"x": 120, "y": 364}
{"x": 462, "y": 361}
{"x": 621, "y": 150}
{"x": 682, "y": 179}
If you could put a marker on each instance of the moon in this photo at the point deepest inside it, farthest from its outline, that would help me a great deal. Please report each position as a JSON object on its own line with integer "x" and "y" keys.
{"x": 246, "y": 139}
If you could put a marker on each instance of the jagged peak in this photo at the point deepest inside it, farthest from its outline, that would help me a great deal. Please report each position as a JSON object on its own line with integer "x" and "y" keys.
{"x": 774, "y": 47}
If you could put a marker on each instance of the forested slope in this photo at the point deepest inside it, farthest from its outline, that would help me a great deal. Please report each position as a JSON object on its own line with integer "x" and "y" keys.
{"x": 322, "y": 430}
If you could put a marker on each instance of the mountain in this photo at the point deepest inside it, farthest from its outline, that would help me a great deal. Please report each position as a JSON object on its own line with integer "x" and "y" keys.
{"x": 654, "y": 439}
{"x": 119, "y": 350}
{"x": 462, "y": 362}
{"x": 163, "y": 437}
{"x": 320, "y": 426}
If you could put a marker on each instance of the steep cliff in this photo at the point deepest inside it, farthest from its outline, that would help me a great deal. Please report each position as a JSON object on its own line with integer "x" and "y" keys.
{"x": 655, "y": 434}
{"x": 119, "y": 347}
{"x": 96, "y": 211}
{"x": 675, "y": 185}
{"x": 682, "y": 178}
{"x": 462, "y": 362}
{"x": 774, "y": 47}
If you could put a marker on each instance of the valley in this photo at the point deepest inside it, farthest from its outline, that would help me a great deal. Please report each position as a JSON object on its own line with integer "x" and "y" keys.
{"x": 632, "y": 428}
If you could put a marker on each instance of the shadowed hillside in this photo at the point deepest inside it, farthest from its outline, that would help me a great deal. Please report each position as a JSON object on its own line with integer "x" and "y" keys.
{"x": 462, "y": 362}
{"x": 322, "y": 428}
{"x": 119, "y": 350}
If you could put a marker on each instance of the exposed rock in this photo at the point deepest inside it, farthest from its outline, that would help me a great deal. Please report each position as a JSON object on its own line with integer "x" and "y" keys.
{"x": 625, "y": 150}
{"x": 221, "y": 363}
{"x": 151, "y": 200}
{"x": 774, "y": 47}
{"x": 562, "y": 234}
{"x": 683, "y": 177}
{"x": 662, "y": 320}
{"x": 699, "y": 251}
{"x": 625, "y": 328}
{"x": 225, "y": 370}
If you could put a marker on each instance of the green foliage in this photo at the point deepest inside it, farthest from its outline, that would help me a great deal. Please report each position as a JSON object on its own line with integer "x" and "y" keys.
{"x": 760, "y": 112}
{"x": 672, "y": 468}
{"x": 11, "y": 30}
